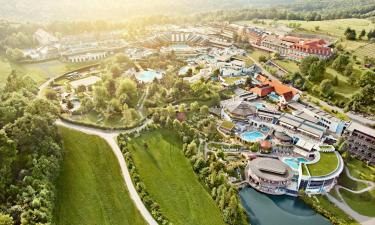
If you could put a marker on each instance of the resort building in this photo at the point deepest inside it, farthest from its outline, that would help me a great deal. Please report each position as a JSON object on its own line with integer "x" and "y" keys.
{"x": 44, "y": 38}
{"x": 233, "y": 110}
{"x": 302, "y": 126}
{"x": 302, "y": 48}
{"x": 320, "y": 175}
{"x": 321, "y": 117}
{"x": 275, "y": 90}
{"x": 276, "y": 44}
{"x": 361, "y": 140}
{"x": 269, "y": 175}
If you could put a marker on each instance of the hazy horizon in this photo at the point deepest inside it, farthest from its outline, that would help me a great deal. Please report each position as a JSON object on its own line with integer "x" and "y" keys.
{"x": 45, "y": 10}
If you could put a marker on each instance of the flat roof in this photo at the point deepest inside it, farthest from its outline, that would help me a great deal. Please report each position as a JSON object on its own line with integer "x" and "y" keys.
{"x": 270, "y": 169}
{"x": 361, "y": 128}
{"x": 302, "y": 124}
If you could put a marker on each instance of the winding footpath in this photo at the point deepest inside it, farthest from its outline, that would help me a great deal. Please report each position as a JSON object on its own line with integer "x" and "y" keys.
{"x": 364, "y": 220}
{"x": 110, "y": 138}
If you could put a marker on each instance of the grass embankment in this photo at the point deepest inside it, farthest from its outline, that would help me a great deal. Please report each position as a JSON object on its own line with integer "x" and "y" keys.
{"x": 171, "y": 181}
{"x": 362, "y": 203}
{"x": 327, "y": 164}
{"x": 90, "y": 188}
{"x": 322, "y": 205}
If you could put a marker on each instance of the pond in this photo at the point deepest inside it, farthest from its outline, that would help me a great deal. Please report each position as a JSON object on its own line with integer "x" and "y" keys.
{"x": 265, "y": 209}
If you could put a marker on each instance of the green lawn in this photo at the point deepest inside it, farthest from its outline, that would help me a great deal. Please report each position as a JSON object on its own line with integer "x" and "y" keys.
{"x": 288, "y": 65}
{"x": 332, "y": 208}
{"x": 170, "y": 180}
{"x": 98, "y": 119}
{"x": 39, "y": 72}
{"x": 345, "y": 181}
{"x": 90, "y": 188}
{"x": 360, "y": 170}
{"x": 257, "y": 53}
{"x": 327, "y": 164}
{"x": 362, "y": 203}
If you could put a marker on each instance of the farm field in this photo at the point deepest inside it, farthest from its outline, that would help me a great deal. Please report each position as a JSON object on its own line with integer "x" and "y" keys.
{"x": 365, "y": 50}
{"x": 334, "y": 28}
{"x": 90, "y": 188}
{"x": 171, "y": 181}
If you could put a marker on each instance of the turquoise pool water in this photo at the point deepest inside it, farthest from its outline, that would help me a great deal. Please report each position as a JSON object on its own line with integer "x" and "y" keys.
{"x": 274, "y": 97}
{"x": 252, "y": 136}
{"x": 148, "y": 76}
{"x": 265, "y": 129}
{"x": 259, "y": 105}
{"x": 294, "y": 162}
{"x": 265, "y": 209}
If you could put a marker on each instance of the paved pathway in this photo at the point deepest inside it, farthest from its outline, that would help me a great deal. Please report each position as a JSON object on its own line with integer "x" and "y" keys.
{"x": 364, "y": 220}
{"x": 110, "y": 137}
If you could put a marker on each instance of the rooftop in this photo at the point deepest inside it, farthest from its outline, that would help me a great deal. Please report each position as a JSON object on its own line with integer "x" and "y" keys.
{"x": 327, "y": 164}
{"x": 270, "y": 169}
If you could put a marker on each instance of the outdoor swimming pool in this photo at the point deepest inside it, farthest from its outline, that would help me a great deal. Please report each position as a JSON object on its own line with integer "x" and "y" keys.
{"x": 265, "y": 129}
{"x": 259, "y": 105}
{"x": 294, "y": 162}
{"x": 252, "y": 136}
{"x": 148, "y": 75}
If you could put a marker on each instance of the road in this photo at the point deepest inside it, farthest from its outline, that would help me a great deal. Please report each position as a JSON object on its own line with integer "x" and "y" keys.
{"x": 364, "y": 220}
{"x": 110, "y": 137}
{"x": 354, "y": 117}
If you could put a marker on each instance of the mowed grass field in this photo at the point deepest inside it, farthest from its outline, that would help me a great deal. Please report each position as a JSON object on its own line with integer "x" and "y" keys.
{"x": 90, "y": 188}
{"x": 170, "y": 179}
{"x": 39, "y": 72}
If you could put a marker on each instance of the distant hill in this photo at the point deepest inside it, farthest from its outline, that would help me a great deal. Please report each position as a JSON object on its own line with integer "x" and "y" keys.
{"x": 42, "y": 10}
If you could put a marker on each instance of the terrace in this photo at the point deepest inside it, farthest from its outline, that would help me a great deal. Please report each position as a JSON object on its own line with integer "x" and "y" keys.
{"x": 327, "y": 164}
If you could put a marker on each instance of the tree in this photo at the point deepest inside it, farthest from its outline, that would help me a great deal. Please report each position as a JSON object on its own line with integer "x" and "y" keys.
{"x": 204, "y": 110}
{"x": 316, "y": 71}
{"x": 249, "y": 81}
{"x": 191, "y": 149}
{"x": 7, "y": 157}
{"x": 6, "y": 219}
{"x": 350, "y": 34}
{"x": 194, "y": 106}
{"x": 306, "y": 63}
{"x": 335, "y": 81}
{"x": 50, "y": 94}
{"x": 367, "y": 78}
{"x": 341, "y": 62}
{"x": 362, "y": 34}
{"x": 14, "y": 54}
{"x": 262, "y": 58}
{"x": 116, "y": 71}
{"x": 326, "y": 88}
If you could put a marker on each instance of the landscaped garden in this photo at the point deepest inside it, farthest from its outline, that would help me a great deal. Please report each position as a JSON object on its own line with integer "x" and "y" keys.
{"x": 91, "y": 189}
{"x": 327, "y": 164}
{"x": 170, "y": 179}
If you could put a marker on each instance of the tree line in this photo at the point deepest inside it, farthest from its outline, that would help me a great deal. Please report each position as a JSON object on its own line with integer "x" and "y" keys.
{"x": 30, "y": 154}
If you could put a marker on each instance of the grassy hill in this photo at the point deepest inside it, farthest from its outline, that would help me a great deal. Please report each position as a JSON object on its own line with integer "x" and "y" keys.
{"x": 170, "y": 180}
{"x": 90, "y": 188}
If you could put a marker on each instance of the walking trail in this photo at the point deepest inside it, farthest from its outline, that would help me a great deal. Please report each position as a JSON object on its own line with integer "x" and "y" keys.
{"x": 364, "y": 220}
{"x": 110, "y": 137}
